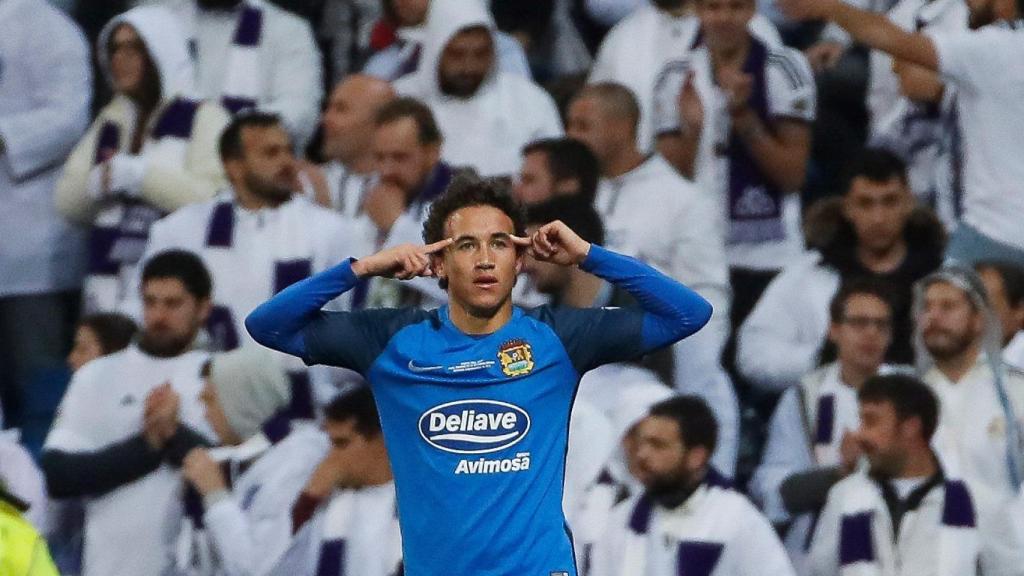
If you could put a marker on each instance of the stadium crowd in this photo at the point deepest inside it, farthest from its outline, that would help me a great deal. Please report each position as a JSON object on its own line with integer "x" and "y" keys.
{"x": 841, "y": 181}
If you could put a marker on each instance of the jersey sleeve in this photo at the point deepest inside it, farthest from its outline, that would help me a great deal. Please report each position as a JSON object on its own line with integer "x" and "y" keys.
{"x": 596, "y": 336}
{"x": 354, "y": 340}
{"x": 665, "y": 111}
{"x": 792, "y": 94}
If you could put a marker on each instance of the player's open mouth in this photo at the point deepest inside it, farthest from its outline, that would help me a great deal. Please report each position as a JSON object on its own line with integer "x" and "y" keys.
{"x": 486, "y": 281}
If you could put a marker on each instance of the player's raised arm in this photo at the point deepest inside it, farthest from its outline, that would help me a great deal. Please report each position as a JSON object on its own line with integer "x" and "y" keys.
{"x": 279, "y": 322}
{"x": 671, "y": 310}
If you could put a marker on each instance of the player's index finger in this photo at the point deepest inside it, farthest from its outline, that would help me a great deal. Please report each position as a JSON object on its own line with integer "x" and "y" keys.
{"x": 436, "y": 246}
{"x": 519, "y": 240}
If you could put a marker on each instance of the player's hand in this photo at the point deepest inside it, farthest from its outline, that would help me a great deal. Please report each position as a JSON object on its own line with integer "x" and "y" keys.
{"x": 403, "y": 262}
{"x": 203, "y": 472}
{"x": 691, "y": 109}
{"x": 556, "y": 243}
{"x": 801, "y": 10}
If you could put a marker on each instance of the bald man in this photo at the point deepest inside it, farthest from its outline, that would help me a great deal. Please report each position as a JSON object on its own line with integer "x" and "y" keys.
{"x": 348, "y": 127}
{"x": 654, "y": 214}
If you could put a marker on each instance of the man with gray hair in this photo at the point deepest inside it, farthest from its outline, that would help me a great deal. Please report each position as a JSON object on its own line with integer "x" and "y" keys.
{"x": 982, "y": 398}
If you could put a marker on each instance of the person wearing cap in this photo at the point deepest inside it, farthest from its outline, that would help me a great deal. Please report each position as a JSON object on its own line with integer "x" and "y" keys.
{"x": 982, "y": 397}
{"x": 241, "y": 493}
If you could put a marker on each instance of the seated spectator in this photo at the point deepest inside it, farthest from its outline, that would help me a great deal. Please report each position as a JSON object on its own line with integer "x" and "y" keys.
{"x": 735, "y": 115}
{"x": 348, "y": 125}
{"x": 652, "y": 213}
{"x": 98, "y": 335}
{"x": 981, "y": 63}
{"x": 242, "y": 524}
{"x": 688, "y": 519}
{"x": 1004, "y": 284}
{"x": 646, "y": 43}
{"x": 485, "y": 114}
{"x": 402, "y": 34}
{"x": 979, "y": 435}
{"x": 149, "y": 152}
{"x": 877, "y": 235}
{"x": 345, "y": 521}
{"x": 812, "y": 436}
{"x": 616, "y": 482}
{"x": 905, "y": 514}
{"x": 45, "y": 91}
{"x": 258, "y": 238}
{"x": 120, "y": 418}
{"x": 250, "y": 53}
{"x": 556, "y": 167}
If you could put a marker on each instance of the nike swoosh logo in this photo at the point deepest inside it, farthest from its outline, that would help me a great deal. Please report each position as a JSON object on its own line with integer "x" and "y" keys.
{"x": 416, "y": 368}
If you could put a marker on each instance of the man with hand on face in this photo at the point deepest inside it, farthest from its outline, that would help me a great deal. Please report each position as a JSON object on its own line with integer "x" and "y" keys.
{"x": 345, "y": 521}
{"x": 983, "y": 65}
{"x": 119, "y": 421}
{"x": 905, "y": 514}
{"x": 688, "y": 520}
{"x": 486, "y": 115}
{"x": 257, "y": 238}
{"x": 475, "y": 396}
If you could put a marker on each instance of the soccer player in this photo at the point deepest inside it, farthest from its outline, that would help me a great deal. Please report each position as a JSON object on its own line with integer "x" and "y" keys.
{"x": 474, "y": 396}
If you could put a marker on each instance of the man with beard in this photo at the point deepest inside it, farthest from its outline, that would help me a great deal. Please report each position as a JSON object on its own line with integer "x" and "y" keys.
{"x": 905, "y": 514}
{"x": 688, "y": 520}
{"x": 983, "y": 64}
{"x": 250, "y": 53}
{"x": 119, "y": 420}
{"x": 982, "y": 397}
{"x": 258, "y": 237}
{"x": 876, "y": 234}
{"x": 485, "y": 114}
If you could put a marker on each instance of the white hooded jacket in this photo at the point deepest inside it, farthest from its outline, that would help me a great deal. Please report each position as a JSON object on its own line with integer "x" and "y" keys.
{"x": 488, "y": 130}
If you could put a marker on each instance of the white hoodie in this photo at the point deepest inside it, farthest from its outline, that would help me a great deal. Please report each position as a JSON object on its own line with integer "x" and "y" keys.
{"x": 488, "y": 130}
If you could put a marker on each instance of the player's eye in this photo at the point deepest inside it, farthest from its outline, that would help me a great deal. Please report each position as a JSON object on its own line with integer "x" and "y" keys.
{"x": 499, "y": 243}
{"x": 465, "y": 245}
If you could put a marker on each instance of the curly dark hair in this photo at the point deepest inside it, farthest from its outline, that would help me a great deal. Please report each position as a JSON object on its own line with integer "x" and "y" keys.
{"x": 468, "y": 190}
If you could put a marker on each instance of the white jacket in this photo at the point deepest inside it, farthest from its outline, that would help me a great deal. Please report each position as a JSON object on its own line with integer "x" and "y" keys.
{"x": 488, "y": 130}
{"x": 45, "y": 88}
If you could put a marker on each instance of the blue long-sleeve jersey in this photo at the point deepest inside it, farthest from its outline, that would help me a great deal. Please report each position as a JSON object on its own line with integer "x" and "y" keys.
{"x": 476, "y": 426}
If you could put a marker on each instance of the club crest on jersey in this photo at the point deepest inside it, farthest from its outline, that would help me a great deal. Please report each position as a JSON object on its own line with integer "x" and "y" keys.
{"x": 474, "y": 426}
{"x": 516, "y": 357}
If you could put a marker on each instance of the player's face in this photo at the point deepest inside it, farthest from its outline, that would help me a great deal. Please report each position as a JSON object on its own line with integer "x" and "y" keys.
{"x": 171, "y": 316}
{"x": 87, "y": 347}
{"x": 663, "y": 462}
{"x": 465, "y": 62}
{"x": 878, "y": 212}
{"x": 548, "y": 278}
{"x": 881, "y": 436}
{"x": 949, "y": 323}
{"x": 482, "y": 263}
{"x": 863, "y": 334}
{"x": 268, "y": 166}
{"x": 725, "y": 22}
{"x": 348, "y": 121}
{"x": 1011, "y": 318}
{"x": 535, "y": 183}
{"x": 216, "y": 417}
{"x": 352, "y": 452}
{"x": 128, "y": 60}
{"x": 590, "y": 124}
{"x": 400, "y": 158}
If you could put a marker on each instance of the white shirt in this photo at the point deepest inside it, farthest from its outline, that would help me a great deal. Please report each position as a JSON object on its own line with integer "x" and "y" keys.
{"x": 971, "y": 437}
{"x": 357, "y": 527}
{"x": 291, "y": 72}
{"x": 45, "y": 88}
{"x": 488, "y": 130}
{"x": 636, "y": 50}
{"x": 717, "y": 524}
{"x": 984, "y": 65}
{"x": 104, "y": 405}
{"x": 791, "y": 95}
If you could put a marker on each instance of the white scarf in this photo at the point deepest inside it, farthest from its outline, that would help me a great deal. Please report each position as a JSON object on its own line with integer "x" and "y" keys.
{"x": 338, "y": 525}
{"x": 699, "y": 552}
{"x": 866, "y": 547}
{"x": 241, "y": 89}
{"x": 831, "y": 410}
